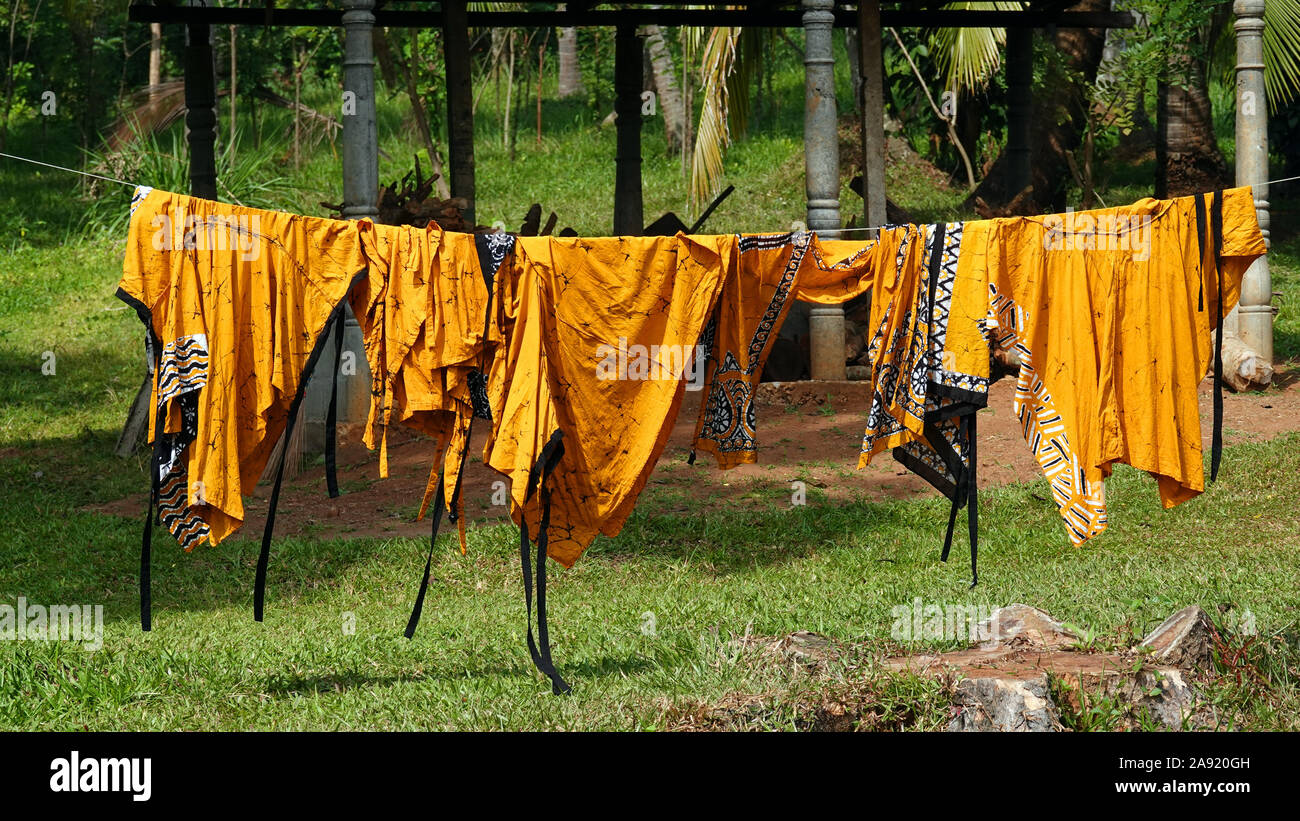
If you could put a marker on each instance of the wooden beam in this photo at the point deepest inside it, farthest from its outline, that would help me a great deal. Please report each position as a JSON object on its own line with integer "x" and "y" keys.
{"x": 870, "y": 35}
{"x": 201, "y": 109}
{"x": 1020, "y": 107}
{"x": 628, "y": 81}
{"x": 460, "y": 104}
{"x": 576, "y": 17}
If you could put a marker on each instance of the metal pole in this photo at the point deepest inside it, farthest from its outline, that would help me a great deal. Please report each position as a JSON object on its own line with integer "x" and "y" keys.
{"x": 460, "y": 103}
{"x": 628, "y": 218}
{"x": 873, "y": 112}
{"x": 201, "y": 108}
{"x": 360, "y": 140}
{"x": 1252, "y": 320}
{"x": 1020, "y": 101}
{"x": 822, "y": 176}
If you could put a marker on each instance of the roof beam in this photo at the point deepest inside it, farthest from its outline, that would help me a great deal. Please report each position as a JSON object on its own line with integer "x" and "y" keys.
{"x": 844, "y": 17}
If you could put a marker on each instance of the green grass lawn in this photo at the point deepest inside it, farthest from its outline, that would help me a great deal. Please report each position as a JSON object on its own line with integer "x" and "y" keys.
{"x": 647, "y": 626}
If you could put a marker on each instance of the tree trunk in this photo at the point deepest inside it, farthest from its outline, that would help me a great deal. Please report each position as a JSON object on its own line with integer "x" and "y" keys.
{"x": 234, "y": 89}
{"x": 421, "y": 115}
{"x": 297, "y": 103}
{"x": 1057, "y": 126}
{"x": 155, "y": 59}
{"x": 384, "y": 56}
{"x": 665, "y": 85}
{"x": 570, "y": 76}
{"x": 1188, "y": 158}
{"x": 507, "y": 123}
{"x": 853, "y": 45}
{"x": 9, "y": 75}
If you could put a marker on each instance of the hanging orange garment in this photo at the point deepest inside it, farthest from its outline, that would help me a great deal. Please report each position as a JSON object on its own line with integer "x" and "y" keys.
{"x": 1112, "y": 312}
{"x": 426, "y": 317}
{"x": 602, "y": 333}
{"x": 767, "y": 274}
{"x": 898, "y": 347}
{"x": 930, "y": 353}
{"x": 236, "y": 302}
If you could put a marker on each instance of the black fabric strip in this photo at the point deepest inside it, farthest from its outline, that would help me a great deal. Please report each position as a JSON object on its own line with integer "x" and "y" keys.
{"x": 963, "y": 400}
{"x": 972, "y": 506}
{"x": 936, "y": 257}
{"x": 331, "y": 415}
{"x": 1216, "y": 446}
{"x": 937, "y": 480}
{"x": 428, "y": 565}
{"x": 264, "y": 556}
{"x": 154, "y": 347}
{"x": 1200, "y": 251}
{"x": 952, "y": 522}
{"x": 541, "y": 470}
{"x": 146, "y": 542}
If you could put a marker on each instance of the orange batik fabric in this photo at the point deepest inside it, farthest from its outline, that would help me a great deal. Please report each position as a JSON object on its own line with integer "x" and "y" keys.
{"x": 766, "y": 275}
{"x": 236, "y": 301}
{"x": 603, "y": 332}
{"x": 1113, "y": 312}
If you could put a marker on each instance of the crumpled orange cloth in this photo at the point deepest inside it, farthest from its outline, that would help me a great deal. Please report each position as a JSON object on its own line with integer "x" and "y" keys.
{"x": 601, "y": 335}
{"x": 235, "y": 301}
{"x": 1112, "y": 311}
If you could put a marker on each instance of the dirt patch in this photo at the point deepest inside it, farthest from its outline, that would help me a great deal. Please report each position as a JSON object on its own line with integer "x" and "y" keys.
{"x": 808, "y": 432}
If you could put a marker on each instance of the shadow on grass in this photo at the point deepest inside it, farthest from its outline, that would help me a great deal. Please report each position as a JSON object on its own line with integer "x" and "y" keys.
{"x": 288, "y": 686}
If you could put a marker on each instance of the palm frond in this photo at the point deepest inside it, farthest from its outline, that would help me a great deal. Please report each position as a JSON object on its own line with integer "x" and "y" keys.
{"x": 1281, "y": 51}
{"x": 969, "y": 56}
{"x": 713, "y": 135}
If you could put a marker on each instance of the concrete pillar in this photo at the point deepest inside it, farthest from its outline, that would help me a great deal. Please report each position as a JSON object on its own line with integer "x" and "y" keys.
{"x": 201, "y": 108}
{"x": 628, "y": 79}
{"x": 873, "y": 112}
{"x": 460, "y": 103}
{"x": 360, "y": 139}
{"x": 1020, "y": 107}
{"x": 1252, "y": 320}
{"x": 822, "y": 176}
{"x": 360, "y": 201}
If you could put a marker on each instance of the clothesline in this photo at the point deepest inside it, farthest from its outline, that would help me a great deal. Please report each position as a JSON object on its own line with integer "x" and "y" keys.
{"x": 136, "y": 185}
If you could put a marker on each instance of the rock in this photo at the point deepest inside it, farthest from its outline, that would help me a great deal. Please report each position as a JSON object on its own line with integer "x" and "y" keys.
{"x": 1183, "y": 640}
{"x": 811, "y": 648}
{"x": 857, "y": 373}
{"x": 1005, "y": 705}
{"x": 1026, "y": 623}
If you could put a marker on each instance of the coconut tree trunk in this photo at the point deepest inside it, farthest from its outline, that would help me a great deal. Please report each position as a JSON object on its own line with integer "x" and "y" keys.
{"x": 1188, "y": 158}
{"x": 155, "y": 59}
{"x": 664, "y": 74}
{"x": 570, "y": 76}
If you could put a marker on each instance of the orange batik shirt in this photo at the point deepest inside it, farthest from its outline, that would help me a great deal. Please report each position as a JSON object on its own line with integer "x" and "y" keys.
{"x": 1112, "y": 312}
